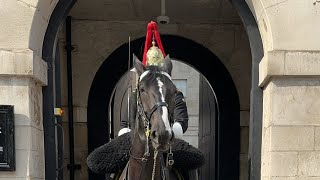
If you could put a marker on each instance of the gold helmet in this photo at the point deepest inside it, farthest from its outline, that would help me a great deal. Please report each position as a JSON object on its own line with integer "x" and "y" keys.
{"x": 154, "y": 56}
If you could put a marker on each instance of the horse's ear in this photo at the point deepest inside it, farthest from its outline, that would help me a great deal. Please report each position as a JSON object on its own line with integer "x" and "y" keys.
{"x": 140, "y": 68}
{"x": 167, "y": 64}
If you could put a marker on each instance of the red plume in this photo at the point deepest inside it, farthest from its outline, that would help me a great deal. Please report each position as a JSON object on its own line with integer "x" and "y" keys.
{"x": 152, "y": 28}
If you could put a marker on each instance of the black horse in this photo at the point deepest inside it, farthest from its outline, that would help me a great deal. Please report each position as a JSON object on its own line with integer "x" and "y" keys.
{"x": 152, "y": 134}
{"x": 145, "y": 152}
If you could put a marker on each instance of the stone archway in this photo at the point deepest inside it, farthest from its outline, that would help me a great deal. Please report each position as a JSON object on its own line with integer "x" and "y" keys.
{"x": 48, "y": 53}
{"x": 64, "y": 8}
{"x": 256, "y": 46}
{"x": 23, "y": 21}
{"x": 23, "y": 75}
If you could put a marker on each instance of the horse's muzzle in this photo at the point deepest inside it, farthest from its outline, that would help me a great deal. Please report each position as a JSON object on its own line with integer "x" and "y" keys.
{"x": 161, "y": 140}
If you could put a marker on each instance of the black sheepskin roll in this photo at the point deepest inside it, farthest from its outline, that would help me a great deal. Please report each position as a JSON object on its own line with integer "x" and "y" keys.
{"x": 113, "y": 156}
{"x": 186, "y": 156}
{"x": 110, "y": 157}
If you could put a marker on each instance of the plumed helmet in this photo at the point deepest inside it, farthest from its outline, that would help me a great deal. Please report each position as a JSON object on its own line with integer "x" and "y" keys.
{"x": 153, "y": 50}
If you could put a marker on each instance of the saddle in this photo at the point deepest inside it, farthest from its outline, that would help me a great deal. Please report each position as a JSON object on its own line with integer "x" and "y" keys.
{"x": 113, "y": 156}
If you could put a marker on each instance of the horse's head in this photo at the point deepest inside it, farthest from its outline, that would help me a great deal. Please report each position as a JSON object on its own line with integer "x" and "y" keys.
{"x": 156, "y": 94}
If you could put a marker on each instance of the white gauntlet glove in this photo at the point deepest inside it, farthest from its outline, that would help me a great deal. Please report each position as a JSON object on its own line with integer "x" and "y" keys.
{"x": 123, "y": 131}
{"x": 177, "y": 130}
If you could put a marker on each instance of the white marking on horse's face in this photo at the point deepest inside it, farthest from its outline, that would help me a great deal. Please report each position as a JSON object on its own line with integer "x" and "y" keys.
{"x": 165, "y": 114}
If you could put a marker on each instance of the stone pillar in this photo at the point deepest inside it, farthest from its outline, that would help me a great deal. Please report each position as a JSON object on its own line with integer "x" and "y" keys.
{"x": 291, "y": 115}
{"x": 22, "y": 75}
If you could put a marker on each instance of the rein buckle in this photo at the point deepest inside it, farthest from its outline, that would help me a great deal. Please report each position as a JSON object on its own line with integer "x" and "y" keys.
{"x": 144, "y": 159}
{"x": 170, "y": 160}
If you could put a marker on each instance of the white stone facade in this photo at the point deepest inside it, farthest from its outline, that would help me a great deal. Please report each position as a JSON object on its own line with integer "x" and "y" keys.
{"x": 289, "y": 76}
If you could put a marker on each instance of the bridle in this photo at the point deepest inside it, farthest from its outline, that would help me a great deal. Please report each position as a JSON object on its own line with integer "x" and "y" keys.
{"x": 146, "y": 117}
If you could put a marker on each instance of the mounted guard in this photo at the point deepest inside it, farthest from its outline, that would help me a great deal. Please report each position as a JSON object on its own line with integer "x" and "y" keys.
{"x": 150, "y": 139}
{"x": 153, "y": 55}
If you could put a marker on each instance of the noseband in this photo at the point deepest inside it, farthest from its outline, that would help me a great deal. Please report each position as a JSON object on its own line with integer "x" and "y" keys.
{"x": 147, "y": 115}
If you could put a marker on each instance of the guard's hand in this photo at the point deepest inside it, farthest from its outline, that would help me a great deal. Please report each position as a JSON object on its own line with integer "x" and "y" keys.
{"x": 177, "y": 130}
{"x": 123, "y": 131}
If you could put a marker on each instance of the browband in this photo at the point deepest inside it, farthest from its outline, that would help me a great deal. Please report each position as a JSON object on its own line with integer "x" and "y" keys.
{"x": 146, "y": 72}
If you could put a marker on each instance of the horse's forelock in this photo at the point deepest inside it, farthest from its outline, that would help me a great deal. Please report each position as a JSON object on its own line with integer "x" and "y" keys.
{"x": 153, "y": 73}
{"x": 151, "y": 83}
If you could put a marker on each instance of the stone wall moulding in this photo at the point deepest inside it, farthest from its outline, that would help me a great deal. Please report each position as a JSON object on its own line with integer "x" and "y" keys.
{"x": 288, "y": 64}
{"x": 23, "y": 63}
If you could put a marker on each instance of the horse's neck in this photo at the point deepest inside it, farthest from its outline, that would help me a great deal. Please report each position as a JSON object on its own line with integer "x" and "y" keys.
{"x": 139, "y": 170}
{"x": 138, "y": 147}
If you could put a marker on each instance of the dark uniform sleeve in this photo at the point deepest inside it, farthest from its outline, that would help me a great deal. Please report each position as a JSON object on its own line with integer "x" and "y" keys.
{"x": 181, "y": 112}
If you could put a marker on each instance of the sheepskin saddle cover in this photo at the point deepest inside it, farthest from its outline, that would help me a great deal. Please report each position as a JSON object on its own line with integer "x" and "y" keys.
{"x": 113, "y": 156}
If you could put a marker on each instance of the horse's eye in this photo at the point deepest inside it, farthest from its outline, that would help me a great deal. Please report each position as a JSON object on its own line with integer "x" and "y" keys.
{"x": 141, "y": 90}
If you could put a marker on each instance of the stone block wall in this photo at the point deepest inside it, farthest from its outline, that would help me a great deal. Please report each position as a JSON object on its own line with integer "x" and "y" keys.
{"x": 290, "y": 144}
{"x": 21, "y": 85}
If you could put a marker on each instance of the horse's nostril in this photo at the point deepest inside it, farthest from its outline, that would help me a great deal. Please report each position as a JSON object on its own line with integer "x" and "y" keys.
{"x": 154, "y": 134}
